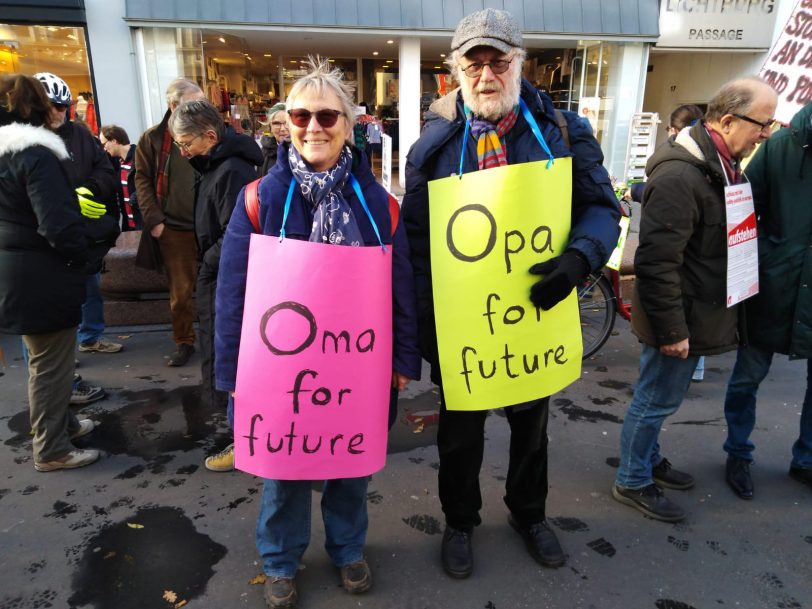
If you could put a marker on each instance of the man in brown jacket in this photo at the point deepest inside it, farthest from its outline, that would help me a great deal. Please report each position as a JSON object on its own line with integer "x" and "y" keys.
{"x": 680, "y": 306}
{"x": 164, "y": 183}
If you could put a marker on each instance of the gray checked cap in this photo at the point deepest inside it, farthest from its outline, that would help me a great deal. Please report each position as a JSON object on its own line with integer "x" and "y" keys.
{"x": 491, "y": 28}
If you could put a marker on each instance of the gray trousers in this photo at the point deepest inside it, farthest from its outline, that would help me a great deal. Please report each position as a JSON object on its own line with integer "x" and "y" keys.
{"x": 51, "y": 366}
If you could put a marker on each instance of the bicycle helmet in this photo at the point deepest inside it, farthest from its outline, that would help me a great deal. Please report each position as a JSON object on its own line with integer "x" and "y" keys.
{"x": 57, "y": 89}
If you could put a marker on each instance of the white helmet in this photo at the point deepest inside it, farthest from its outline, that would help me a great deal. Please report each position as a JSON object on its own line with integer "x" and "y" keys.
{"x": 57, "y": 89}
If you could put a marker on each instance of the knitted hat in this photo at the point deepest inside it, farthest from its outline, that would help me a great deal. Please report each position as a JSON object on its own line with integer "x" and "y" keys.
{"x": 491, "y": 28}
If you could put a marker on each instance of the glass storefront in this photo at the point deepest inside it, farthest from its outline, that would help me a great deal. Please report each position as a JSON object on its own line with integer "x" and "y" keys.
{"x": 28, "y": 49}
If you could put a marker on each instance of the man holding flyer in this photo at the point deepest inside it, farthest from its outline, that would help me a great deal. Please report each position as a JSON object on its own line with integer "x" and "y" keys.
{"x": 527, "y": 196}
{"x": 691, "y": 272}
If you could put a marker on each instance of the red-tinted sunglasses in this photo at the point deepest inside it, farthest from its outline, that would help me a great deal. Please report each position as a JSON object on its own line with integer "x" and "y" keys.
{"x": 326, "y": 118}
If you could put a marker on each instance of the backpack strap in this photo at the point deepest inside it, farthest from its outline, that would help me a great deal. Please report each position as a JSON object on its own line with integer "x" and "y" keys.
{"x": 562, "y": 124}
{"x": 252, "y": 204}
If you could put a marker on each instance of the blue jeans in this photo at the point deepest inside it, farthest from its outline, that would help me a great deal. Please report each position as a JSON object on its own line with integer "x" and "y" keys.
{"x": 662, "y": 386}
{"x": 752, "y": 366}
{"x": 283, "y": 527}
{"x": 92, "y": 326}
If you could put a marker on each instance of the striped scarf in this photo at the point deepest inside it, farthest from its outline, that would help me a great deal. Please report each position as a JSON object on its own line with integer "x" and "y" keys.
{"x": 489, "y": 149}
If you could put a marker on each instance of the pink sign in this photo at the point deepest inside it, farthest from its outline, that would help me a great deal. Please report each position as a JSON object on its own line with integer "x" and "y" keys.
{"x": 315, "y": 363}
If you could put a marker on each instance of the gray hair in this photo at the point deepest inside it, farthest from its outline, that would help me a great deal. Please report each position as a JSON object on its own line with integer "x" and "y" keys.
{"x": 453, "y": 61}
{"x": 195, "y": 117}
{"x": 180, "y": 88}
{"x": 735, "y": 97}
{"x": 320, "y": 77}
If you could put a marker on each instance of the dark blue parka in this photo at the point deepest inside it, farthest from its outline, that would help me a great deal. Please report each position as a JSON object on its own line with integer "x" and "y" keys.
{"x": 273, "y": 190}
{"x": 595, "y": 212}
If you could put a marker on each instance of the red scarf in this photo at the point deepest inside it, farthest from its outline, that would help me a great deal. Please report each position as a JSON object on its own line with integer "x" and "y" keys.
{"x": 730, "y": 165}
{"x": 162, "y": 176}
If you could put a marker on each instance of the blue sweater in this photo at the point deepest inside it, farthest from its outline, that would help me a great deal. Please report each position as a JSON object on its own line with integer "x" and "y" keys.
{"x": 273, "y": 190}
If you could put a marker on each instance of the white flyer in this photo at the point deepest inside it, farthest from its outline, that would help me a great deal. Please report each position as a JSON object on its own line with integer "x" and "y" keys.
{"x": 742, "y": 244}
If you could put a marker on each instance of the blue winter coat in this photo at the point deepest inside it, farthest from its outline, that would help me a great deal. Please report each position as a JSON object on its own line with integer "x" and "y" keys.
{"x": 595, "y": 212}
{"x": 273, "y": 190}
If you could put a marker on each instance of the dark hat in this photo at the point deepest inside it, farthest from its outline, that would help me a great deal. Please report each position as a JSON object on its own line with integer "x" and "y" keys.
{"x": 491, "y": 28}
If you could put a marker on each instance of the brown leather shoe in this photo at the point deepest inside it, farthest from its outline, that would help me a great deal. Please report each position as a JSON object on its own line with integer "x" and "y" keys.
{"x": 280, "y": 593}
{"x": 356, "y": 577}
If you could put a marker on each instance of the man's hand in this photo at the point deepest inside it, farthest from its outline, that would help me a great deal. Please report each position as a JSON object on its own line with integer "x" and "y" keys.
{"x": 561, "y": 275}
{"x": 157, "y": 230}
{"x": 399, "y": 381}
{"x": 679, "y": 349}
{"x": 88, "y": 206}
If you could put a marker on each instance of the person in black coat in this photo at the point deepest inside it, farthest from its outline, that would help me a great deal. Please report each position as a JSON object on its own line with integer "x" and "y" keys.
{"x": 91, "y": 173}
{"x": 224, "y": 162}
{"x": 43, "y": 253}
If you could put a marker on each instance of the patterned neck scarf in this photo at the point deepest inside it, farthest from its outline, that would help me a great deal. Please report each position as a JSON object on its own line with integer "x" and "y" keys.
{"x": 333, "y": 220}
{"x": 489, "y": 149}
{"x": 731, "y": 166}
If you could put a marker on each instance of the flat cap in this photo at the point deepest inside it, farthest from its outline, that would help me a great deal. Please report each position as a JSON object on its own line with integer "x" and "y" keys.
{"x": 491, "y": 28}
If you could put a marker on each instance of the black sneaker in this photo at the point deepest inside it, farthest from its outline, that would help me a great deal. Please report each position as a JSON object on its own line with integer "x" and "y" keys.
{"x": 280, "y": 593}
{"x": 83, "y": 394}
{"x": 356, "y": 577}
{"x": 801, "y": 474}
{"x": 456, "y": 553}
{"x": 666, "y": 476}
{"x": 181, "y": 356}
{"x": 541, "y": 542}
{"x": 651, "y": 501}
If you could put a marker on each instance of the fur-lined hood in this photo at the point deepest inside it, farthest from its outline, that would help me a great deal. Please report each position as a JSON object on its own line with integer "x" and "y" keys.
{"x": 16, "y": 137}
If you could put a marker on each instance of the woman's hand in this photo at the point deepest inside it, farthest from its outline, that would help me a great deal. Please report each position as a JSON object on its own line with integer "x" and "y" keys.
{"x": 399, "y": 381}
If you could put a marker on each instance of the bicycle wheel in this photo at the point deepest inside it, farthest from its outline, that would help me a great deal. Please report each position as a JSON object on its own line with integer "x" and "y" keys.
{"x": 597, "y": 306}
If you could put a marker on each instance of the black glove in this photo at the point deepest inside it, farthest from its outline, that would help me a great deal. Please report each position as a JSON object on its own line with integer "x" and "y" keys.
{"x": 561, "y": 275}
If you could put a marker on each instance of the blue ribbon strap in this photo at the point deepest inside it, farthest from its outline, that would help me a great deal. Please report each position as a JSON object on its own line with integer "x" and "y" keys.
{"x": 287, "y": 209}
{"x": 528, "y": 116}
{"x": 357, "y": 188}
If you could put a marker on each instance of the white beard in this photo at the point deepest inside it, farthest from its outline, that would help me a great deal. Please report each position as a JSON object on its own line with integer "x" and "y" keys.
{"x": 493, "y": 110}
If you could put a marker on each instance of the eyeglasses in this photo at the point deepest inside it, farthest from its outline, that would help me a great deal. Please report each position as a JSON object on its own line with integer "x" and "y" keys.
{"x": 500, "y": 66}
{"x": 60, "y": 107}
{"x": 765, "y": 125}
{"x": 326, "y": 118}
{"x": 185, "y": 145}
{"x": 280, "y": 123}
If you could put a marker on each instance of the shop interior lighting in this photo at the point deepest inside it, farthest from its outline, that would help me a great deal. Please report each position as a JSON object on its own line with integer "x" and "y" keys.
{"x": 374, "y": 52}
{"x": 221, "y": 39}
{"x": 390, "y": 42}
{"x": 442, "y": 54}
{"x": 267, "y": 55}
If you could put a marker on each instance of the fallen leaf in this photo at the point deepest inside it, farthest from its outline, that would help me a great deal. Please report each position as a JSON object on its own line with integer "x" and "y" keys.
{"x": 135, "y": 525}
{"x": 109, "y": 555}
{"x": 259, "y": 579}
{"x": 170, "y": 597}
{"x": 180, "y": 604}
{"x": 125, "y": 337}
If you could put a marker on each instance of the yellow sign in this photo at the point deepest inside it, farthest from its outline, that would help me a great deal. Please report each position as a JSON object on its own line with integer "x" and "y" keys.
{"x": 487, "y": 229}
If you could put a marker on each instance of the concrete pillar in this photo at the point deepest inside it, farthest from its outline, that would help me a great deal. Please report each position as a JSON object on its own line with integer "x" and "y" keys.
{"x": 408, "y": 101}
{"x": 118, "y": 78}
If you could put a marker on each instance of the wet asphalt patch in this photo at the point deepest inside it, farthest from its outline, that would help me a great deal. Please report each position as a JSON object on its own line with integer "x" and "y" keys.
{"x": 134, "y": 563}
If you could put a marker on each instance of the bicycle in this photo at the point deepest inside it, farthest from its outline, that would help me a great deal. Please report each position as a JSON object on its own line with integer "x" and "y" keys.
{"x": 599, "y": 301}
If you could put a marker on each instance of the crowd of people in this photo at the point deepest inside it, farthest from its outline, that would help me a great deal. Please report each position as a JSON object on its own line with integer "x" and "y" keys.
{"x": 197, "y": 191}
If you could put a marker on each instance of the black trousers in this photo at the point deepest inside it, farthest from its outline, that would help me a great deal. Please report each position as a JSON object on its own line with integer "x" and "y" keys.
{"x": 461, "y": 440}
{"x": 205, "y": 291}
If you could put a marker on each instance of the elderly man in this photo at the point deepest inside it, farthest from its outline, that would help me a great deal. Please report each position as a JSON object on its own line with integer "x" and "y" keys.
{"x": 487, "y": 57}
{"x": 225, "y": 162}
{"x": 680, "y": 305}
{"x": 164, "y": 184}
{"x": 779, "y": 318}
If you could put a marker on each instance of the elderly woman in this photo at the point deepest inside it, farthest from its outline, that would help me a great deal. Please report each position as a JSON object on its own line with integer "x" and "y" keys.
{"x": 320, "y": 113}
{"x": 277, "y": 118}
{"x": 43, "y": 252}
{"x": 225, "y": 162}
